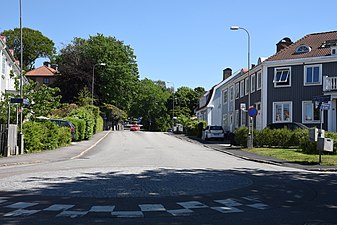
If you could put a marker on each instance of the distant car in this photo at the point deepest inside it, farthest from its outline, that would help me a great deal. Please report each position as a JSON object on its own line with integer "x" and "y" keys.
{"x": 66, "y": 123}
{"x": 287, "y": 125}
{"x": 213, "y": 132}
{"x": 135, "y": 127}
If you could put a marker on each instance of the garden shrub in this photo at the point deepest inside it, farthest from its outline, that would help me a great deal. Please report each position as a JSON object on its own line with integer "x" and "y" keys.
{"x": 44, "y": 135}
{"x": 79, "y": 127}
{"x": 88, "y": 117}
{"x": 240, "y": 136}
{"x": 64, "y": 136}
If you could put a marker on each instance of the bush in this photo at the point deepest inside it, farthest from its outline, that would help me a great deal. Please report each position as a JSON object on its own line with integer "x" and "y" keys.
{"x": 44, "y": 135}
{"x": 79, "y": 127}
{"x": 240, "y": 136}
{"x": 88, "y": 117}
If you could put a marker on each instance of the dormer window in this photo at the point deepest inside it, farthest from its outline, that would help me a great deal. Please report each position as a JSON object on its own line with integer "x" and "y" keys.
{"x": 334, "y": 50}
{"x": 303, "y": 49}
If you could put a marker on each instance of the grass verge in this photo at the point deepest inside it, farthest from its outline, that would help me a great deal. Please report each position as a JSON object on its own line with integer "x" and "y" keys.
{"x": 295, "y": 155}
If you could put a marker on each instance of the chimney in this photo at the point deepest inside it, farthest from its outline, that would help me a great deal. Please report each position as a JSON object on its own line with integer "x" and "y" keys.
{"x": 46, "y": 63}
{"x": 226, "y": 73}
{"x": 285, "y": 42}
{"x": 54, "y": 66}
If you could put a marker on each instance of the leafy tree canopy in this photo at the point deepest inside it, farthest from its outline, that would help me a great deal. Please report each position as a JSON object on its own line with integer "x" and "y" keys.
{"x": 115, "y": 83}
{"x": 150, "y": 104}
{"x": 35, "y": 45}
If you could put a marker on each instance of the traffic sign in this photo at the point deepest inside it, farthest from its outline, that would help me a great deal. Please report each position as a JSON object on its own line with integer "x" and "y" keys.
{"x": 252, "y": 112}
{"x": 16, "y": 100}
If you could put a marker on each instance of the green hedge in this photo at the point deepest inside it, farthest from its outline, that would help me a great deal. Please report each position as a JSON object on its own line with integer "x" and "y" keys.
{"x": 44, "y": 135}
{"x": 79, "y": 127}
{"x": 282, "y": 138}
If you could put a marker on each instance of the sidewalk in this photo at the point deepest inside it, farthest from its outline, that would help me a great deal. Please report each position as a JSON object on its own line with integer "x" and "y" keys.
{"x": 76, "y": 149}
{"x": 224, "y": 147}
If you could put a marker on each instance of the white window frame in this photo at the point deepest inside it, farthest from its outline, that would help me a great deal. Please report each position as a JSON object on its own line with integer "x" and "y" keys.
{"x": 285, "y": 82}
{"x": 237, "y": 118}
{"x": 237, "y": 90}
{"x": 4, "y": 64}
{"x": 259, "y": 81}
{"x": 243, "y": 118}
{"x": 225, "y": 96}
{"x": 231, "y": 93}
{"x": 305, "y": 120}
{"x": 242, "y": 88}
{"x": 252, "y": 83}
{"x": 247, "y": 86}
{"x": 282, "y": 119}
{"x": 306, "y": 83}
{"x": 225, "y": 120}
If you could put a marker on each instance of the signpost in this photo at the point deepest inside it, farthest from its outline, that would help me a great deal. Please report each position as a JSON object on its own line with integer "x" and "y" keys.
{"x": 321, "y": 102}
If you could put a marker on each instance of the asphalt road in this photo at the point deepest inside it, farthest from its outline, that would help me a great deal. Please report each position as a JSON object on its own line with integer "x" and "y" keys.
{"x": 154, "y": 178}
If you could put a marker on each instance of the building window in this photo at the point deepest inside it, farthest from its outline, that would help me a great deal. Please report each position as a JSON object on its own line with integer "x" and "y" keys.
{"x": 310, "y": 114}
{"x": 282, "y": 77}
{"x": 313, "y": 75}
{"x": 46, "y": 80}
{"x": 259, "y": 81}
{"x": 253, "y": 81}
{"x": 282, "y": 112}
{"x": 237, "y": 119}
{"x": 243, "y": 118}
{"x": 247, "y": 86}
{"x": 231, "y": 93}
{"x": 225, "y": 120}
{"x": 302, "y": 49}
{"x": 242, "y": 88}
{"x": 3, "y": 65}
{"x": 225, "y": 96}
{"x": 237, "y": 90}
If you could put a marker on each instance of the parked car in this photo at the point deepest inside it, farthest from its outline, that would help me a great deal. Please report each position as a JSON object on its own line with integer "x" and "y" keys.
{"x": 66, "y": 123}
{"x": 135, "y": 127}
{"x": 213, "y": 132}
{"x": 287, "y": 125}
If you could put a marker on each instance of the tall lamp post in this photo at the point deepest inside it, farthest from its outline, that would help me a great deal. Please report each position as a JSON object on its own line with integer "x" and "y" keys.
{"x": 93, "y": 80}
{"x": 21, "y": 81}
{"x": 249, "y": 137}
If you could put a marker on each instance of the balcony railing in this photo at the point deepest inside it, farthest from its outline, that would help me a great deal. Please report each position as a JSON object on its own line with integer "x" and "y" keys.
{"x": 329, "y": 83}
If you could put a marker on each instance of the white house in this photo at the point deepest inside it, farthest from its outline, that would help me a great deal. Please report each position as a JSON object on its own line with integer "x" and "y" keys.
{"x": 8, "y": 65}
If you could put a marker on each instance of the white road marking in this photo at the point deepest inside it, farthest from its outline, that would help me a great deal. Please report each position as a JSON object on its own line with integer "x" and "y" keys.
{"x": 152, "y": 207}
{"x": 192, "y": 205}
{"x": 180, "y": 212}
{"x": 127, "y": 214}
{"x": 101, "y": 208}
{"x": 21, "y": 205}
{"x": 58, "y": 207}
{"x": 22, "y": 212}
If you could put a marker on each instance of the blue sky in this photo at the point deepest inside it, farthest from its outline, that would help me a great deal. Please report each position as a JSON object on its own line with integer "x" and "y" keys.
{"x": 187, "y": 42}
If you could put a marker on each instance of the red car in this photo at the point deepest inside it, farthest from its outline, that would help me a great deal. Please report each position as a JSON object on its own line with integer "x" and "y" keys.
{"x": 135, "y": 127}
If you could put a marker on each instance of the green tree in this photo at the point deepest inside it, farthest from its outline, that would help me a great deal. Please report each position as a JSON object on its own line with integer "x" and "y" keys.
{"x": 150, "y": 104}
{"x": 35, "y": 45}
{"x": 42, "y": 99}
{"x": 115, "y": 83}
{"x": 186, "y": 100}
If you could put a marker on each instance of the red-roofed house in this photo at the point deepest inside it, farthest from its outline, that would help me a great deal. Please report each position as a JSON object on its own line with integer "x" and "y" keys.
{"x": 44, "y": 74}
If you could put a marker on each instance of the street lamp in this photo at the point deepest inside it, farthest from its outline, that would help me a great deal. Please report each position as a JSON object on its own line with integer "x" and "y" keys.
{"x": 21, "y": 148}
{"x": 93, "y": 80}
{"x": 250, "y": 137}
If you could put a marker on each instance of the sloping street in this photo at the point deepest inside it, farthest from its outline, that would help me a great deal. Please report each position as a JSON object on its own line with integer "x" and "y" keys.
{"x": 155, "y": 178}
